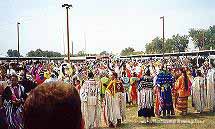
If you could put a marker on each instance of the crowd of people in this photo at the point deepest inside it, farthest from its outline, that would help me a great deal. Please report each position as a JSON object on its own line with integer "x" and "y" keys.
{"x": 91, "y": 94}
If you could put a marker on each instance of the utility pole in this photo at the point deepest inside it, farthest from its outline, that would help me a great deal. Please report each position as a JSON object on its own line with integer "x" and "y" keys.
{"x": 67, "y": 6}
{"x": 18, "y": 40}
{"x": 163, "y": 36}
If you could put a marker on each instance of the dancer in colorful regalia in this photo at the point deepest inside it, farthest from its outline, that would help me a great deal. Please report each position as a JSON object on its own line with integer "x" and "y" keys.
{"x": 39, "y": 74}
{"x": 116, "y": 67}
{"x": 211, "y": 89}
{"x": 104, "y": 83}
{"x": 126, "y": 84}
{"x": 146, "y": 97}
{"x": 13, "y": 99}
{"x": 114, "y": 110}
{"x": 182, "y": 90}
{"x": 134, "y": 78}
{"x": 3, "y": 84}
{"x": 164, "y": 84}
{"x": 199, "y": 93}
{"x": 89, "y": 94}
{"x": 78, "y": 85}
{"x": 66, "y": 73}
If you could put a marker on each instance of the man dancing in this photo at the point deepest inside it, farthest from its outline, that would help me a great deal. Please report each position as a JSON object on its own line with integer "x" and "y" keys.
{"x": 89, "y": 94}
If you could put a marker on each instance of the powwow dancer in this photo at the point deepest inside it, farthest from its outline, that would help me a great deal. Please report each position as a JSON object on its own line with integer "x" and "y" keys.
{"x": 146, "y": 97}
{"x": 134, "y": 78}
{"x": 199, "y": 92}
{"x": 211, "y": 89}
{"x": 89, "y": 94}
{"x": 117, "y": 67}
{"x": 182, "y": 91}
{"x": 114, "y": 110}
{"x": 13, "y": 98}
{"x": 126, "y": 84}
{"x": 104, "y": 79}
{"x": 164, "y": 84}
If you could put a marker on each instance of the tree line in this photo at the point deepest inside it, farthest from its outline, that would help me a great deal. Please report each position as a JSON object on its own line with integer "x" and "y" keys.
{"x": 46, "y": 53}
{"x": 36, "y": 53}
{"x": 204, "y": 39}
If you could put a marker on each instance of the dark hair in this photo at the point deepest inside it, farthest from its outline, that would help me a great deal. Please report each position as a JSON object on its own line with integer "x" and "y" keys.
{"x": 199, "y": 73}
{"x": 123, "y": 73}
{"x": 135, "y": 74}
{"x": 147, "y": 72}
{"x": 53, "y": 75}
{"x": 185, "y": 79}
{"x": 78, "y": 81}
{"x": 53, "y": 106}
{"x": 105, "y": 85}
{"x": 115, "y": 75}
{"x": 14, "y": 75}
{"x": 90, "y": 75}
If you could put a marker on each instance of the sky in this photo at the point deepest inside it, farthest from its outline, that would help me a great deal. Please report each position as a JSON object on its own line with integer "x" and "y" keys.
{"x": 109, "y": 25}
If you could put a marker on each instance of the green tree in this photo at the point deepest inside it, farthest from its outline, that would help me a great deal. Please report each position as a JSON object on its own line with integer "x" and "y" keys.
{"x": 180, "y": 43}
{"x": 210, "y": 38}
{"x": 31, "y": 54}
{"x": 155, "y": 46}
{"x": 127, "y": 51}
{"x": 12, "y": 53}
{"x": 138, "y": 53}
{"x": 169, "y": 46}
{"x": 203, "y": 38}
{"x": 149, "y": 48}
{"x": 104, "y": 53}
{"x": 175, "y": 43}
{"x": 57, "y": 54}
{"x": 198, "y": 37}
{"x": 157, "y": 43}
{"x": 81, "y": 53}
{"x": 40, "y": 53}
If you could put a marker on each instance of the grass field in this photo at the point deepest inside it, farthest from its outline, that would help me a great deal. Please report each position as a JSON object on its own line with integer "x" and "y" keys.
{"x": 205, "y": 120}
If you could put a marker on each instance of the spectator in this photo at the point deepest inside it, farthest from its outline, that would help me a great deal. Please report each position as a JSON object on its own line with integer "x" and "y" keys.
{"x": 53, "y": 106}
{"x": 13, "y": 99}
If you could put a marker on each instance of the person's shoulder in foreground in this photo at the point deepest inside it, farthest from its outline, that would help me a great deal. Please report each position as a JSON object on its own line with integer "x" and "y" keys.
{"x": 53, "y": 106}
